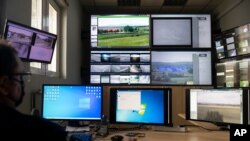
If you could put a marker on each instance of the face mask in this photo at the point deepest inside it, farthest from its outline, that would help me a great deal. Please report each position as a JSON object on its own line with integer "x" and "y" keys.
{"x": 20, "y": 100}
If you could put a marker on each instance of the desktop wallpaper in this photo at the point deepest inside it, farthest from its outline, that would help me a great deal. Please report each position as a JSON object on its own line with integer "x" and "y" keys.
{"x": 140, "y": 106}
{"x": 72, "y": 102}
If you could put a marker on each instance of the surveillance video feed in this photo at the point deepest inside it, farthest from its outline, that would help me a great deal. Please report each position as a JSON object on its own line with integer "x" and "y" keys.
{"x": 95, "y": 57}
{"x": 224, "y": 106}
{"x": 145, "y": 68}
{"x": 124, "y": 79}
{"x": 135, "y": 58}
{"x": 135, "y": 68}
{"x": 134, "y": 79}
{"x": 114, "y": 79}
{"x": 170, "y": 68}
{"x": 100, "y": 68}
{"x": 144, "y": 57}
{"x": 124, "y": 57}
{"x": 121, "y": 66}
{"x": 144, "y": 79}
{"x": 20, "y": 40}
{"x": 105, "y": 57}
{"x": 95, "y": 79}
{"x": 42, "y": 49}
{"x": 115, "y": 57}
{"x": 105, "y": 79}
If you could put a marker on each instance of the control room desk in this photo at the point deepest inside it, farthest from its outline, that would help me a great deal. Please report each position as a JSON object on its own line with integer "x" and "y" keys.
{"x": 193, "y": 134}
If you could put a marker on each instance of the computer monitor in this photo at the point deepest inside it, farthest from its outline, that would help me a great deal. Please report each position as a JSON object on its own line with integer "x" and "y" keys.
{"x": 120, "y": 67}
{"x": 30, "y": 43}
{"x": 220, "y": 106}
{"x": 72, "y": 102}
{"x": 141, "y": 106}
{"x": 181, "y": 67}
{"x": 120, "y": 31}
{"x": 172, "y": 32}
{"x": 197, "y": 32}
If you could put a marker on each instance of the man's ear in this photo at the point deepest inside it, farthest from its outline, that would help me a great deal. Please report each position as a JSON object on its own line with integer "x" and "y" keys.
{"x": 3, "y": 80}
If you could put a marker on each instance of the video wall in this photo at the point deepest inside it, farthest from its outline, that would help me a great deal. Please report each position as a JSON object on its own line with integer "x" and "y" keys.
{"x": 233, "y": 74}
{"x": 151, "y": 49}
{"x": 233, "y": 43}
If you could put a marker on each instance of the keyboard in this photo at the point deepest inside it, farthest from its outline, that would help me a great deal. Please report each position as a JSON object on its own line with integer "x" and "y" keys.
{"x": 80, "y": 137}
{"x": 134, "y": 134}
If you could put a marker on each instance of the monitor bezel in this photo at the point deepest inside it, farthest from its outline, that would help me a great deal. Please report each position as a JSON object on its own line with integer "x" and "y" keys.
{"x": 244, "y": 106}
{"x": 167, "y": 106}
{"x": 73, "y": 119}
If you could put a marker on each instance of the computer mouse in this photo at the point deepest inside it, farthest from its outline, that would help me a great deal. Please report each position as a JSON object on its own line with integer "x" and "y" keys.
{"x": 117, "y": 138}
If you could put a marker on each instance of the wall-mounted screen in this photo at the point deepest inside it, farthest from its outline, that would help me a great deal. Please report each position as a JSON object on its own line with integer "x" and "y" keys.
{"x": 120, "y": 67}
{"x": 201, "y": 29}
{"x": 30, "y": 43}
{"x": 120, "y": 31}
{"x": 181, "y": 67}
{"x": 144, "y": 101}
{"x": 217, "y": 105}
{"x": 172, "y": 31}
{"x": 72, "y": 102}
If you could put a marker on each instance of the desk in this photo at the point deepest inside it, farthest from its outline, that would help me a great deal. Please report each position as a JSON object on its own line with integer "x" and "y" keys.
{"x": 193, "y": 134}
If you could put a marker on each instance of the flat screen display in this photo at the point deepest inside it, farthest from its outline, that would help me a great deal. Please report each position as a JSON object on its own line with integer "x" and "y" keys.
{"x": 30, "y": 43}
{"x": 120, "y": 67}
{"x": 172, "y": 32}
{"x": 181, "y": 67}
{"x": 200, "y": 29}
{"x": 120, "y": 31}
{"x": 139, "y": 106}
{"x": 72, "y": 102}
{"x": 216, "y": 105}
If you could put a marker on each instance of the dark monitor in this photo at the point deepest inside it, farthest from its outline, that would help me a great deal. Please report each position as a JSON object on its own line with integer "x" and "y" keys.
{"x": 220, "y": 106}
{"x": 181, "y": 67}
{"x": 141, "y": 106}
{"x": 120, "y": 31}
{"x": 72, "y": 102}
{"x": 30, "y": 43}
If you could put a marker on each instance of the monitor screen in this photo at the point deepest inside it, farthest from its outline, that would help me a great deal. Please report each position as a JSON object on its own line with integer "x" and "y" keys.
{"x": 172, "y": 32}
{"x": 30, "y": 43}
{"x": 181, "y": 67}
{"x": 120, "y": 67}
{"x": 72, "y": 102}
{"x": 200, "y": 29}
{"x": 120, "y": 31}
{"x": 138, "y": 106}
{"x": 216, "y": 105}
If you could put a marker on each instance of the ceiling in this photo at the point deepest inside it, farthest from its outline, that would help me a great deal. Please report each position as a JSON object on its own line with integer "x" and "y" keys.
{"x": 150, "y": 6}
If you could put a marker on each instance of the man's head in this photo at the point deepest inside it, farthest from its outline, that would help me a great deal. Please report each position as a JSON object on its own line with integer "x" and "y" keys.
{"x": 11, "y": 71}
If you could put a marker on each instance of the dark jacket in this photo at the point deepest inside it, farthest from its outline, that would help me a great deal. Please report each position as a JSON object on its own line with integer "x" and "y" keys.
{"x": 17, "y": 126}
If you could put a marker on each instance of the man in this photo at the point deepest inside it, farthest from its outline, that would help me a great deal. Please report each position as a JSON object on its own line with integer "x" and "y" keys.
{"x": 13, "y": 124}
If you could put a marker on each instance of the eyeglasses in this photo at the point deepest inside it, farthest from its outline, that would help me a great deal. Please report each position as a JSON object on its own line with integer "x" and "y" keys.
{"x": 21, "y": 80}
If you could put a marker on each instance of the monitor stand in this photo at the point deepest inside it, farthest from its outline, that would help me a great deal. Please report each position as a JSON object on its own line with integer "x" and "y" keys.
{"x": 204, "y": 125}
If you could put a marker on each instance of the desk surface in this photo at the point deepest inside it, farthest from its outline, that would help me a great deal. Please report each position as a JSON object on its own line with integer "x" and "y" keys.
{"x": 193, "y": 134}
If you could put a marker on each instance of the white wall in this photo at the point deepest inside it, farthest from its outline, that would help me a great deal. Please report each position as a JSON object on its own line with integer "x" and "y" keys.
{"x": 20, "y": 11}
{"x": 237, "y": 15}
